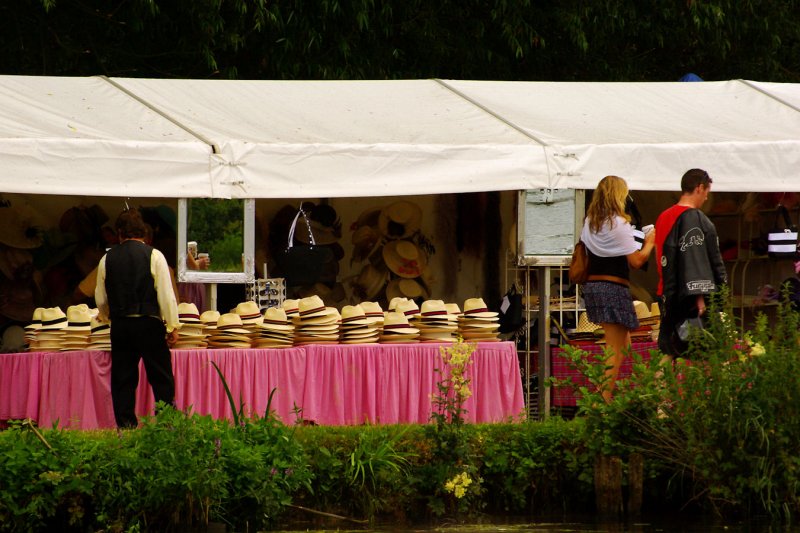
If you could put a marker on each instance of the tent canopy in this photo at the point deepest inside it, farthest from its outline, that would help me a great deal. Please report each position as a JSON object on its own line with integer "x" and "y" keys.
{"x": 305, "y": 139}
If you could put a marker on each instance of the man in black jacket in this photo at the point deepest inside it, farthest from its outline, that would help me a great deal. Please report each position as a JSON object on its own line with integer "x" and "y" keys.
{"x": 690, "y": 265}
{"x": 134, "y": 289}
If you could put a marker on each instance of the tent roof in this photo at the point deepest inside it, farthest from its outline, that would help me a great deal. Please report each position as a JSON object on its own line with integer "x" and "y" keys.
{"x": 307, "y": 139}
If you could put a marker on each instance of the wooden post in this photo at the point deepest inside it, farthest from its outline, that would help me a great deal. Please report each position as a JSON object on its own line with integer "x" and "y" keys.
{"x": 608, "y": 485}
{"x": 635, "y": 484}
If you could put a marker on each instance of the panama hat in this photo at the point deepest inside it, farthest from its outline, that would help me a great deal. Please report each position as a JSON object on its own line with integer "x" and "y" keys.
{"x": 36, "y": 319}
{"x": 476, "y": 308}
{"x": 53, "y": 318}
{"x": 20, "y": 227}
{"x": 249, "y": 313}
{"x": 231, "y": 323}
{"x": 435, "y": 310}
{"x": 209, "y": 318}
{"x": 400, "y": 219}
{"x": 291, "y": 306}
{"x": 188, "y": 313}
{"x": 353, "y": 315}
{"x": 394, "y": 302}
{"x": 454, "y": 309}
{"x": 79, "y": 318}
{"x": 397, "y": 323}
{"x": 405, "y": 288}
{"x": 408, "y": 307}
{"x": 312, "y": 307}
{"x": 373, "y": 311}
{"x": 404, "y": 258}
{"x": 275, "y": 319}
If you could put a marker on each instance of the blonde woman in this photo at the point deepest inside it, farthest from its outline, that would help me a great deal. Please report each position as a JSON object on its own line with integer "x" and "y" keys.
{"x": 613, "y": 251}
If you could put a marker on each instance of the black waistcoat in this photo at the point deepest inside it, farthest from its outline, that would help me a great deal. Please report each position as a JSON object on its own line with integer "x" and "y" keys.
{"x": 130, "y": 285}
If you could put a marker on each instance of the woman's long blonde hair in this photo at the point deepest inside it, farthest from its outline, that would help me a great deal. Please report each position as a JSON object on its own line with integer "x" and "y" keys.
{"x": 607, "y": 202}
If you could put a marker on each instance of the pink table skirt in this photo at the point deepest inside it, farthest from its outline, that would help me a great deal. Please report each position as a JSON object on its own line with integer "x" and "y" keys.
{"x": 330, "y": 384}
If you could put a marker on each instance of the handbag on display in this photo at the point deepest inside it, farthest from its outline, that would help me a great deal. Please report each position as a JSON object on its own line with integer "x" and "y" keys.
{"x": 782, "y": 241}
{"x": 302, "y": 264}
{"x": 579, "y": 265}
{"x": 684, "y": 329}
{"x": 511, "y": 316}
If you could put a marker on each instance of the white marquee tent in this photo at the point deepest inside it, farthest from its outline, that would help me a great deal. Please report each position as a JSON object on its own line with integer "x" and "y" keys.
{"x": 305, "y": 139}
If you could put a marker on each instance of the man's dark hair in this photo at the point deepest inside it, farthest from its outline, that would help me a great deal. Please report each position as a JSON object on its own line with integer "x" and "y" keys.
{"x": 130, "y": 225}
{"x": 693, "y": 178}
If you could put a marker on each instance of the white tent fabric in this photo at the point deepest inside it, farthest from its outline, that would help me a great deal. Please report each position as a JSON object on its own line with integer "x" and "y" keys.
{"x": 307, "y": 139}
{"x": 650, "y": 133}
{"x": 300, "y": 139}
{"x": 82, "y": 136}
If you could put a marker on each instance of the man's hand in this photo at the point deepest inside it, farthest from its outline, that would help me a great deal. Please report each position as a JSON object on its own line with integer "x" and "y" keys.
{"x": 701, "y": 305}
{"x": 172, "y": 338}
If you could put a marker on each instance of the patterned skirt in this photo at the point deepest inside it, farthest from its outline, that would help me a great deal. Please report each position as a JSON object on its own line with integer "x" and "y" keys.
{"x": 609, "y": 303}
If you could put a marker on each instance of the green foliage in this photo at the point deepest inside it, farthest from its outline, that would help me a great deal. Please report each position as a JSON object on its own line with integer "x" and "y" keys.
{"x": 725, "y": 422}
{"x": 613, "y": 40}
{"x": 218, "y": 228}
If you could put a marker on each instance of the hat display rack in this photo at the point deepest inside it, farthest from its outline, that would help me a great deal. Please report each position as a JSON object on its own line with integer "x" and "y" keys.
{"x": 393, "y": 252}
{"x": 297, "y": 322}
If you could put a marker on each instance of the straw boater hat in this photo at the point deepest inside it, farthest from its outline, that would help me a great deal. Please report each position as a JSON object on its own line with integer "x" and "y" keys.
{"x": 404, "y": 258}
{"x": 275, "y": 319}
{"x": 408, "y": 307}
{"x": 373, "y": 311}
{"x": 230, "y": 333}
{"x": 405, "y": 288}
{"x": 36, "y": 319}
{"x": 643, "y": 313}
{"x": 291, "y": 306}
{"x": 250, "y": 313}
{"x": 53, "y": 318}
{"x": 188, "y": 313}
{"x": 20, "y": 227}
{"x": 397, "y": 329}
{"x": 209, "y": 319}
{"x": 394, "y": 302}
{"x": 79, "y": 318}
{"x": 453, "y": 309}
{"x": 436, "y": 310}
{"x": 231, "y": 323}
{"x": 476, "y": 308}
{"x": 400, "y": 219}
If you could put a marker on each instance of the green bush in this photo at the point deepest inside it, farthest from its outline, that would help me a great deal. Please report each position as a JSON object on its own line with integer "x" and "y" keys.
{"x": 721, "y": 428}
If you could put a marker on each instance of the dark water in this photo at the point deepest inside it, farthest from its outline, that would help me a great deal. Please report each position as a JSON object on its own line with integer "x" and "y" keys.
{"x": 666, "y": 524}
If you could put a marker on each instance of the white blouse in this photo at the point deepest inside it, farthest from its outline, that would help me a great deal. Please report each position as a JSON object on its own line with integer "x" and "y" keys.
{"x": 612, "y": 240}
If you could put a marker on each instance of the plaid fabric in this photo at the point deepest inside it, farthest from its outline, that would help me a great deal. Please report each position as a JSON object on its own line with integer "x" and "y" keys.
{"x": 560, "y": 367}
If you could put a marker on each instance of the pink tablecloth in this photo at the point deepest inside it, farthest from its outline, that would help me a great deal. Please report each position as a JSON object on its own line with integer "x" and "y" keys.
{"x": 562, "y": 369}
{"x": 331, "y": 384}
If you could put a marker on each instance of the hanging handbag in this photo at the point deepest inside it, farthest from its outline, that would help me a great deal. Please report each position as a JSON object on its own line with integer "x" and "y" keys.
{"x": 782, "y": 241}
{"x": 302, "y": 264}
{"x": 511, "y": 316}
{"x": 579, "y": 265}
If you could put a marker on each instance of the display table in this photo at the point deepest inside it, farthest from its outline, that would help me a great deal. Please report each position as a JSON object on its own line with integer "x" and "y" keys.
{"x": 566, "y": 396}
{"x": 324, "y": 384}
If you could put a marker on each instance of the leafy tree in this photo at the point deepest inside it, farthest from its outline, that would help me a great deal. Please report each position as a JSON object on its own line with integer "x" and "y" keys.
{"x": 613, "y": 40}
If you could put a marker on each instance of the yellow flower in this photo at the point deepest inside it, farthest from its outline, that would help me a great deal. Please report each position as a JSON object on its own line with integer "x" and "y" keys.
{"x": 756, "y": 350}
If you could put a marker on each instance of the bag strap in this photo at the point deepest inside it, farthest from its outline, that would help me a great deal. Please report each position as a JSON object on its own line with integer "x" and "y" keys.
{"x": 294, "y": 225}
{"x": 782, "y": 211}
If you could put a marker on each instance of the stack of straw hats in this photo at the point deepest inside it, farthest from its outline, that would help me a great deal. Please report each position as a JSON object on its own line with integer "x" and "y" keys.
{"x": 435, "y": 324}
{"x": 75, "y": 336}
{"x": 229, "y": 333}
{"x": 100, "y": 338}
{"x": 209, "y": 320}
{"x": 277, "y": 331}
{"x": 396, "y": 329}
{"x": 374, "y": 312}
{"x": 478, "y": 323}
{"x": 315, "y": 323}
{"x": 585, "y": 330}
{"x": 649, "y": 321}
{"x": 356, "y": 327}
{"x": 33, "y": 328}
{"x": 291, "y": 307}
{"x": 251, "y": 317}
{"x": 191, "y": 333}
{"x": 50, "y": 334}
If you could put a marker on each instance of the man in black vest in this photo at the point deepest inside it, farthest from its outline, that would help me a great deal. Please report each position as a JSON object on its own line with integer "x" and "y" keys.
{"x": 134, "y": 289}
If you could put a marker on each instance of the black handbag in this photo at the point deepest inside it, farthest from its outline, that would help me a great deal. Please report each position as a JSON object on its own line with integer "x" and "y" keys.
{"x": 782, "y": 241}
{"x": 302, "y": 264}
{"x": 511, "y": 316}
